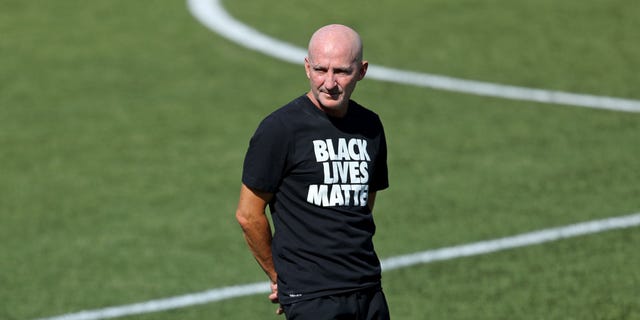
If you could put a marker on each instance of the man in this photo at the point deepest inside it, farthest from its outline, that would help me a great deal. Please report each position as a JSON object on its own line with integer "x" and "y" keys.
{"x": 318, "y": 163}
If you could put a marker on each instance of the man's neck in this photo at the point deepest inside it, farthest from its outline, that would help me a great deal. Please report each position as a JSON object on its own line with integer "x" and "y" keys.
{"x": 335, "y": 112}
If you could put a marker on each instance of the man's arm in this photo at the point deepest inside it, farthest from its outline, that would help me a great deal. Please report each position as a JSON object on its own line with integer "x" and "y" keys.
{"x": 257, "y": 232}
{"x": 255, "y": 227}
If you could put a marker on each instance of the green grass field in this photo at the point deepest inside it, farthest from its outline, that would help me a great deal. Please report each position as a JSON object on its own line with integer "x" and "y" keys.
{"x": 123, "y": 125}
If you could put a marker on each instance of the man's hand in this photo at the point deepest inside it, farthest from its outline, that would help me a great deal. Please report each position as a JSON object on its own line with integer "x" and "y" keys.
{"x": 274, "y": 297}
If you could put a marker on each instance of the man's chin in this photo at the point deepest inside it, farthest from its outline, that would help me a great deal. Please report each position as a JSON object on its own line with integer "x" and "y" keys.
{"x": 331, "y": 103}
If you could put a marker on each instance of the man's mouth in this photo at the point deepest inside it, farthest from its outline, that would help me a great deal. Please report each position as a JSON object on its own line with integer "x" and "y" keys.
{"x": 333, "y": 95}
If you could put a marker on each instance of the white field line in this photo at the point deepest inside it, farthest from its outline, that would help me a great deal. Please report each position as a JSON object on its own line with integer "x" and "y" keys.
{"x": 466, "y": 250}
{"x": 211, "y": 14}
{"x": 521, "y": 240}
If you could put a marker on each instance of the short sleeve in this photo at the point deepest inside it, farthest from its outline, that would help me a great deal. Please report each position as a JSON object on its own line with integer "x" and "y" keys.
{"x": 380, "y": 178}
{"x": 266, "y": 156}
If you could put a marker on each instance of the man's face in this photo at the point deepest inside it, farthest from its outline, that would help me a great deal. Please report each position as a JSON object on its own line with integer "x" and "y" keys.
{"x": 333, "y": 75}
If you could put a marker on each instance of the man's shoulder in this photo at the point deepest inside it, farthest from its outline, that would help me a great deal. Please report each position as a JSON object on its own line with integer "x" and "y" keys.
{"x": 292, "y": 112}
{"x": 295, "y": 107}
{"x": 363, "y": 116}
{"x": 286, "y": 117}
{"x": 361, "y": 110}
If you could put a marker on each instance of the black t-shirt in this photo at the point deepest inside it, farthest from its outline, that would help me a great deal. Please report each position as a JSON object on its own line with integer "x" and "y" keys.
{"x": 320, "y": 170}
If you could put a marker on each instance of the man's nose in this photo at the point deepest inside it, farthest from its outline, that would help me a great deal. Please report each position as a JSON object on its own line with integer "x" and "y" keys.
{"x": 330, "y": 80}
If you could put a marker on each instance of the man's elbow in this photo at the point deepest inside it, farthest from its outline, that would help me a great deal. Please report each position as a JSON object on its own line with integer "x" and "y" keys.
{"x": 243, "y": 219}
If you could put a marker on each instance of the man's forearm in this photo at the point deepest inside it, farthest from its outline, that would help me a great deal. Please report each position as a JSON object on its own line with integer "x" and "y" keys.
{"x": 257, "y": 233}
{"x": 255, "y": 227}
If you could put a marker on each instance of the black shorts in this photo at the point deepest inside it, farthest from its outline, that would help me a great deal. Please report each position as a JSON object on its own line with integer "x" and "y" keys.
{"x": 368, "y": 304}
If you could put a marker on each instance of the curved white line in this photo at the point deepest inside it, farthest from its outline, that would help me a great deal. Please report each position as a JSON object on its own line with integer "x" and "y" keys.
{"x": 211, "y": 14}
{"x": 465, "y": 250}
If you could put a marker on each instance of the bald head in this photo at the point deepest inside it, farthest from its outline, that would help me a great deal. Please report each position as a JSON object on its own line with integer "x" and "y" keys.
{"x": 334, "y": 66}
{"x": 336, "y": 39}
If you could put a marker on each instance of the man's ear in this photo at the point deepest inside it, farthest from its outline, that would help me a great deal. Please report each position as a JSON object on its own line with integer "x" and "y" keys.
{"x": 363, "y": 70}
{"x": 307, "y": 67}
